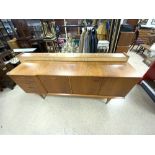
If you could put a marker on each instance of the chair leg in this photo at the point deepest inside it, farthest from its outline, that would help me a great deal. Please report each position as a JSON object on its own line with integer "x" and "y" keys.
{"x": 140, "y": 49}
{"x": 143, "y": 50}
{"x": 132, "y": 46}
{"x": 137, "y": 47}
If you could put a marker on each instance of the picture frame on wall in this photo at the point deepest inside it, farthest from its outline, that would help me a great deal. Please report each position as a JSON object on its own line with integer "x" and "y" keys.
{"x": 153, "y": 22}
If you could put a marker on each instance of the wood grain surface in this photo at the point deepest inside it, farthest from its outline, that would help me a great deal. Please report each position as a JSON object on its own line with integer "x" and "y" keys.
{"x": 76, "y": 78}
{"x": 73, "y": 57}
{"x": 97, "y": 69}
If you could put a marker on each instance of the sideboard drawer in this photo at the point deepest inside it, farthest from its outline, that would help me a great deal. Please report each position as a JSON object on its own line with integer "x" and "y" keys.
{"x": 24, "y": 79}
{"x": 30, "y": 84}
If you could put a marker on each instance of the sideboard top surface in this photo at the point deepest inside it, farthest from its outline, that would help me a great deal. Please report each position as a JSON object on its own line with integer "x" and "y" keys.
{"x": 97, "y": 69}
{"x": 77, "y": 57}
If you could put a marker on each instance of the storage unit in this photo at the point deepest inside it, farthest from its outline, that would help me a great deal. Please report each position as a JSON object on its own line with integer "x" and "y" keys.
{"x": 92, "y": 75}
{"x": 13, "y": 43}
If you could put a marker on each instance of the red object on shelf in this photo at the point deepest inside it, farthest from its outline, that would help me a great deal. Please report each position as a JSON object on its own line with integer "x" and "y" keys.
{"x": 150, "y": 74}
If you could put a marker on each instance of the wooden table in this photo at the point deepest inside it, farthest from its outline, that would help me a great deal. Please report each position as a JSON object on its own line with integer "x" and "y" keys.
{"x": 91, "y": 75}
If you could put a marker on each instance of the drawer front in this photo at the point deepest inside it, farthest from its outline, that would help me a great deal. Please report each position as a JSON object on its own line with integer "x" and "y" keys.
{"x": 29, "y": 89}
{"x": 24, "y": 79}
{"x": 117, "y": 86}
{"x": 29, "y": 84}
{"x": 56, "y": 84}
{"x": 85, "y": 85}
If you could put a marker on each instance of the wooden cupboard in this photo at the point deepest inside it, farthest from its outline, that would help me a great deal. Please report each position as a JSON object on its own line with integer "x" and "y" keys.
{"x": 29, "y": 84}
{"x": 125, "y": 40}
{"x": 109, "y": 77}
{"x": 85, "y": 85}
{"x": 55, "y": 84}
{"x": 116, "y": 86}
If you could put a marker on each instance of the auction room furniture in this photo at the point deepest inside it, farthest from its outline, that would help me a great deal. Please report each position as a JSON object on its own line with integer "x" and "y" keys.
{"x": 137, "y": 41}
{"x": 104, "y": 75}
{"x": 51, "y": 45}
{"x": 6, "y": 66}
{"x": 143, "y": 34}
{"x": 39, "y": 44}
{"x": 125, "y": 40}
{"x": 132, "y": 22}
{"x": 24, "y": 42}
{"x": 13, "y": 43}
{"x": 148, "y": 58}
{"x": 146, "y": 47}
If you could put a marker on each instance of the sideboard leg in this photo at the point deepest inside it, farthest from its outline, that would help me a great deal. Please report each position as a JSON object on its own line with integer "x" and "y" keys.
{"x": 43, "y": 96}
{"x": 103, "y": 100}
{"x": 108, "y": 99}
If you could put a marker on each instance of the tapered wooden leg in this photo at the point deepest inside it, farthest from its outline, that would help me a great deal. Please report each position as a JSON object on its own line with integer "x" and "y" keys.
{"x": 105, "y": 100}
{"x": 43, "y": 96}
{"x": 108, "y": 99}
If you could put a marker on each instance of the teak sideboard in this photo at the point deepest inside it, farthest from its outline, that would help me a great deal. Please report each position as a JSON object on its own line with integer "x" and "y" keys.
{"x": 93, "y": 75}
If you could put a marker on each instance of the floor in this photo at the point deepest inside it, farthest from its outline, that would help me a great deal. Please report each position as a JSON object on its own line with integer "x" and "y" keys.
{"x": 22, "y": 113}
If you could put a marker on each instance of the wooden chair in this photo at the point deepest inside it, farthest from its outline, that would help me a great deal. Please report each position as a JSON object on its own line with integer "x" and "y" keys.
{"x": 24, "y": 42}
{"x": 144, "y": 47}
{"x": 5, "y": 80}
{"x": 51, "y": 45}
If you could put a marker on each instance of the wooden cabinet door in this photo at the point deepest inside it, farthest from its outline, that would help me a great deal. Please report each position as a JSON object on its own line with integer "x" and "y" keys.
{"x": 29, "y": 84}
{"x": 85, "y": 85}
{"x": 117, "y": 86}
{"x": 56, "y": 84}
